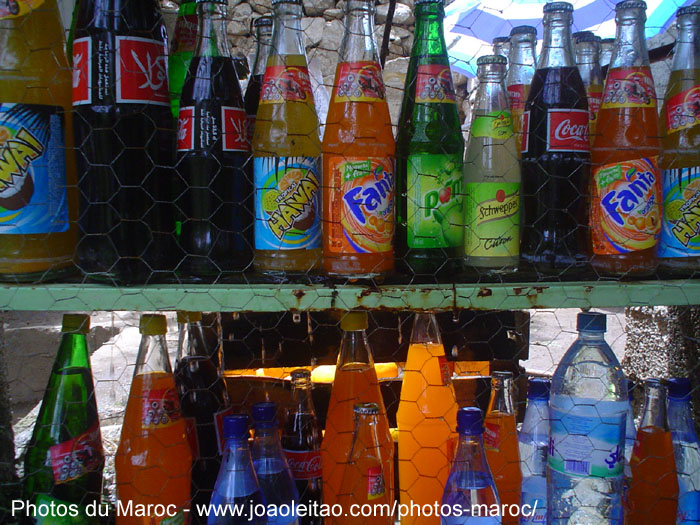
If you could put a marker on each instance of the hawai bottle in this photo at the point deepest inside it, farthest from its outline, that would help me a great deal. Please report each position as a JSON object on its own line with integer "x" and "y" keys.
{"x": 430, "y": 150}
{"x": 491, "y": 176}
{"x": 679, "y": 246}
{"x": 286, "y": 155}
{"x": 64, "y": 460}
{"x": 625, "y": 187}
{"x": 358, "y": 157}
{"x": 521, "y": 69}
{"x": 263, "y": 37}
{"x": 181, "y": 51}
{"x": 587, "y": 49}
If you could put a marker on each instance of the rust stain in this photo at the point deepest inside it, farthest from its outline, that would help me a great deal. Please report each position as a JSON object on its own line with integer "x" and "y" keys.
{"x": 484, "y": 292}
{"x": 518, "y": 290}
{"x": 366, "y": 292}
{"x": 299, "y": 294}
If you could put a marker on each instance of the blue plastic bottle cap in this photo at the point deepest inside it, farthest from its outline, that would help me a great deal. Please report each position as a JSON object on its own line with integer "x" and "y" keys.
{"x": 538, "y": 388}
{"x": 236, "y": 426}
{"x": 679, "y": 388}
{"x": 591, "y": 322}
{"x": 264, "y": 414}
{"x": 470, "y": 421}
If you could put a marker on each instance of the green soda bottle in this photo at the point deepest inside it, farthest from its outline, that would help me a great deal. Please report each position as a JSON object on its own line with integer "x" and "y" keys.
{"x": 181, "y": 51}
{"x": 430, "y": 148}
{"x": 64, "y": 460}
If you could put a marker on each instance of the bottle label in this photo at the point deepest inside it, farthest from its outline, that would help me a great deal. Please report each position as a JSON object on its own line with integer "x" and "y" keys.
{"x": 375, "y": 483}
{"x": 32, "y": 169}
{"x": 595, "y": 98}
{"x": 203, "y": 127}
{"x": 44, "y": 501}
{"x": 219, "y": 426}
{"x": 78, "y": 456}
{"x": 304, "y": 464}
{"x": 525, "y": 140}
{"x": 496, "y": 125}
{"x": 567, "y": 130}
{"x": 629, "y": 88}
{"x": 82, "y": 71}
{"x": 359, "y": 82}
{"x": 434, "y": 202}
{"x": 683, "y": 110}
{"x": 287, "y": 203}
{"x": 680, "y": 230}
{"x": 185, "y": 37}
{"x": 434, "y": 84}
{"x": 492, "y": 219}
{"x": 142, "y": 71}
{"x": 160, "y": 408}
{"x": 517, "y": 95}
{"x": 286, "y": 84}
{"x": 446, "y": 370}
{"x": 626, "y": 206}
{"x": 361, "y": 204}
{"x": 492, "y": 435}
{"x": 17, "y": 8}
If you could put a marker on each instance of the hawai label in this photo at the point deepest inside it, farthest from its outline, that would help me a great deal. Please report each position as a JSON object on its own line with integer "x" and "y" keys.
{"x": 626, "y": 206}
{"x": 567, "y": 130}
{"x": 360, "y": 210}
{"x": 376, "y": 487}
{"x": 286, "y": 83}
{"x": 17, "y": 8}
{"x": 160, "y": 408}
{"x": 32, "y": 169}
{"x": 434, "y": 84}
{"x": 359, "y": 82}
{"x": 492, "y": 219}
{"x": 142, "y": 71}
{"x": 683, "y": 110}
{"x": 680, "y": 230}
{"x": 76, "y": 514}
{"x": 496, "y": 125}
{"x": 434, "y": 203}
{"x": 304, "y": 464}
{"x": 629, "y": 88}
{"x": 78, "y": 456}
{"x": 200, "y": 128}
{"x": 287, "y": 203}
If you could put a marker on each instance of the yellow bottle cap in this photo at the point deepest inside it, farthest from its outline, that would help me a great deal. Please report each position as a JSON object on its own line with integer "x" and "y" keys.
{"x": 188, "y": 317}
{"x": 76, "y": 323}
{"x": 354, "y": 321}
{"x": 153, "y": 324}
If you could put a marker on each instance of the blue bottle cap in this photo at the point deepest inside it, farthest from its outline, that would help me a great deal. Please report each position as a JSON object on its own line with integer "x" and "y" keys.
{"x": 679, "y": 388}
{"x": 236, "y": 426}
{"x": 264, "y": 415}
{"x": 538, "y": 388}
{"x": 591, "y": 322}
{"x": 470, "y": 421}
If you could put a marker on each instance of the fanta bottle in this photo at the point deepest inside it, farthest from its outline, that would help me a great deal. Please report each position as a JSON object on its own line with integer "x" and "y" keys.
{"x": 625, "y": 215}
{"x": 358, "y": 157}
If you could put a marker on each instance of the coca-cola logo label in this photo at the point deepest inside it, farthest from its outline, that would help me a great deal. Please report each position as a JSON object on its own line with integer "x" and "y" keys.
{"x": 235, "y": 129}
{"x": 142, "y": 71}
{"x": 185, "y": 129}
{"x": 82, "y": 71}
{"x": 304, "y": 464}
{"x": 567, "y": 130}
{"x": 76, "y": 457}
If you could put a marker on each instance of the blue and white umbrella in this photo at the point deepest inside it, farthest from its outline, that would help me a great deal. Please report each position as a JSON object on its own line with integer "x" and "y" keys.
{"x": 471, "y": 25}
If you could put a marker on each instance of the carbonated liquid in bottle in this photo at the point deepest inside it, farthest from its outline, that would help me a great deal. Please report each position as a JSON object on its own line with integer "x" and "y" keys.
{"x": 521, "y": 69}
{"x": 182, "y": 48}
{"x": 587, "y": 49}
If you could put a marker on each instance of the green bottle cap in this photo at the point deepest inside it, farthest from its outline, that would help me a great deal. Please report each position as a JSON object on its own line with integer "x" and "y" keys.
{"x": 76, "y": 323}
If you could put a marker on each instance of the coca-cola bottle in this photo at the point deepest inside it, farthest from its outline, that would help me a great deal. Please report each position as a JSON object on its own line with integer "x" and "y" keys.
{"x": 301, "y": 441}
{"x": 125, "y": 139}
{"x": 555, "y": 154}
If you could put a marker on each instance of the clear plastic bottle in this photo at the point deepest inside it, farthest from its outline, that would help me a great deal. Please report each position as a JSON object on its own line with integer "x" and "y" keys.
{"x": 521, "y": 69}
{"x": 630, "y": 438}
{"x": 588, "y": 411}
{"x": 533, "y": 441}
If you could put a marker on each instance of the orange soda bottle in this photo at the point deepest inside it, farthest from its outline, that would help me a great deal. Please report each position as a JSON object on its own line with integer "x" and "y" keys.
{"x": 153, "y": 459}
{"x": 425, "y": 417}
{"x": 653, "y": 494}
{"x": 501, "y": 443}
{"x": 355, "y": 382}
{"x": 358, "y": 157}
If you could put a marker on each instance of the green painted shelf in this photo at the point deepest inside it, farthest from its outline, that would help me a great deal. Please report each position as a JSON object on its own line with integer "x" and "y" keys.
{"x": 280, "y": 298}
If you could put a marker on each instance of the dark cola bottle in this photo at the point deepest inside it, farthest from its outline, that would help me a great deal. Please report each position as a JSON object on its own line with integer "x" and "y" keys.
{"x": 555, "y": 155}
{"x": 301, "y": 441}
{"x": 215, "y": 207}
{"x": 124, "y": 135}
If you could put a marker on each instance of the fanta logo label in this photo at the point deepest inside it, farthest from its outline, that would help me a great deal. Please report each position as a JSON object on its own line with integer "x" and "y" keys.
{"x": 16, "y": 157}
{"x": 629, "y": 196}
{"x": 370, "y": 197}
{"x": 566, "y": 130}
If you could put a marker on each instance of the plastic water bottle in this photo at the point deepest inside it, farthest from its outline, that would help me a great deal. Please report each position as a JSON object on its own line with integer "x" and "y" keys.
{"x": 588, "y": 412}
{"x": 533, "y": 441}
{"x": 630, "y": 438}
{"x": 470, "y": 485}
{"x": 276, "y": 481}
{"x": 686, "y": 448}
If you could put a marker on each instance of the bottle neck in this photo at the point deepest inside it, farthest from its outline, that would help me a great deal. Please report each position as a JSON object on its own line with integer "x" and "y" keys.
{"x": 490, "y": 95}
{"x": 191, "y": 340}
{"x": 501, "y": 396}
{"x": 470, "y": 456}
{"x": 587, "y": 53}
{"x": 73, "y": 352}
{"x": 523, "y": 52}
{"x": 630, "y": 43}
{"x": 365, "y": 441}
{"x": 354, "y": 349}
{"x": 287, "y": 36}
{"x": 358, "y": 43}
{"x": 587, "y": 335}
{"x": 686, "y": 53}
{"x": 211, "y": 33}
{"x": 262, "y": 50}
{"x": 557, "y": 48}
{"x": 301, "y": 396}
{"x": 266, "y": 441}
{"x": 654, "y": 413}
{"x": 153, "y": 355}
{"x": 429, "y": 33}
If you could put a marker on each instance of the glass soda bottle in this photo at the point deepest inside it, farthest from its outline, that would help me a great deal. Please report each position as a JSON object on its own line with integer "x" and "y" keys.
{"x": 286, "y": 154}
{"x": 588, "y": 409}
{"x": 491, "y": 176}
{"x": 427, "y": 407}
{"x": 587, "y": 49}
{"x": 625, "y": 189}
{"x": 533, "y": 442}
{"x": 154, "y": 459}
{"x": 182, "y": 48}
{"x": 606, "y": 49}
{"x": 470, "y": 483}
{"x": 521, "y": 69}
{"x": 38, "y": 199}
{"x": 364, "y": 475}
{"x": 555, "y": 154}
{"x": 212, "y": 155}
{"x": 686, "y": 448}
{"x": 679, "y": 247}
{"x": 430, "y": 151}
{"x": 204, "y": 403}
{"x": 501, "y": 47}
{"x": 501, "y": 442}
{"x": 263, "y": 37}
{"x": 355, "y": 382}
{"x": 237, "y": 484}
{"x": 301, "y": 442}
{"x": 653, "y": 495}
{"x": 358, "y": 157}
{"x": 64, "y": 459}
